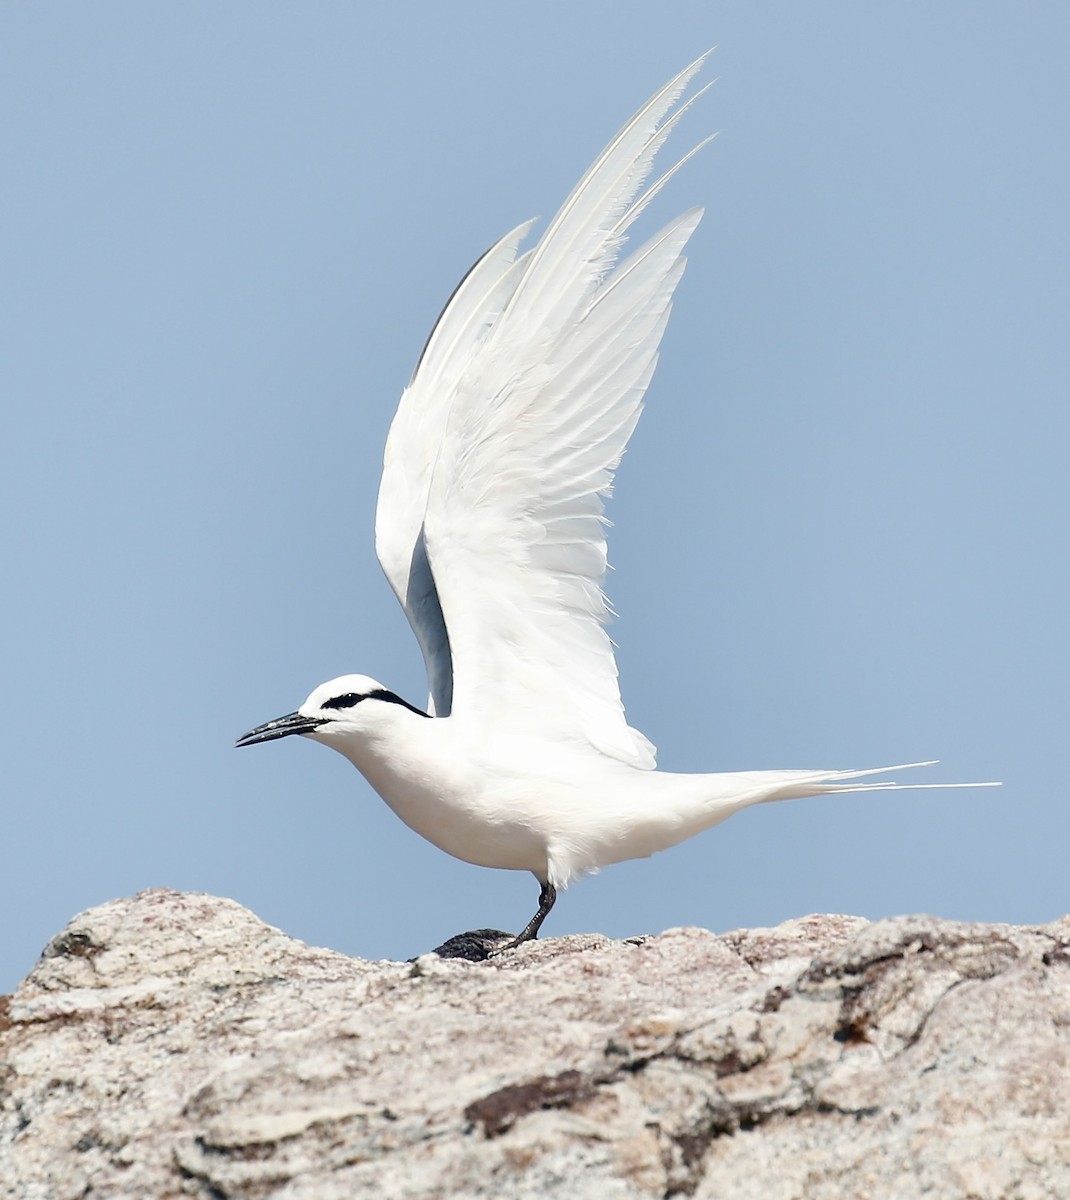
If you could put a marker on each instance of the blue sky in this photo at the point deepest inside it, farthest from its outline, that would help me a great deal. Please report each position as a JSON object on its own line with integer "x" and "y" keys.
{"x": 840, "y": 532}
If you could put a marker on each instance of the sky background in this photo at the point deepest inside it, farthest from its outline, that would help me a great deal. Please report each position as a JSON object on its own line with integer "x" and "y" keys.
{"x": 840, "y": 531}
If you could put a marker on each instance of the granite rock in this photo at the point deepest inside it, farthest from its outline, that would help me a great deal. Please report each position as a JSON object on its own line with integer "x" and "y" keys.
{"x": 173, "y": 1045}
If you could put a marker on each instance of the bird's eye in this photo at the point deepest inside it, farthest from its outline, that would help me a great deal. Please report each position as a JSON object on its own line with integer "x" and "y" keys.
{"x": 346, "y": 701}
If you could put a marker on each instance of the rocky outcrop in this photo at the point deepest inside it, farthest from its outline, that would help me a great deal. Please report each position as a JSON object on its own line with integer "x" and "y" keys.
{"x": 173, "y": 1045}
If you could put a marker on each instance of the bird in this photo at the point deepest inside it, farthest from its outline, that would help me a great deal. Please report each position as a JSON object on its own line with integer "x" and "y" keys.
{"x": 490, "y": 530}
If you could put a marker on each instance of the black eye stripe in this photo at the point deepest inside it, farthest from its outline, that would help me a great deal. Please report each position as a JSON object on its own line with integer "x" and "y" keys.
{"x": 394, "y": 698}
{"x": 351, "y": 699}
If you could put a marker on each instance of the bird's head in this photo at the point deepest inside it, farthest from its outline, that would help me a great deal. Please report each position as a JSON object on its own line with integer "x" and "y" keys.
{"x": 350, "y": 704}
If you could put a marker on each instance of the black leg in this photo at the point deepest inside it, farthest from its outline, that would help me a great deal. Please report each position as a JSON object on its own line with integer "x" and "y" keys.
{"x": 547, "y": 896}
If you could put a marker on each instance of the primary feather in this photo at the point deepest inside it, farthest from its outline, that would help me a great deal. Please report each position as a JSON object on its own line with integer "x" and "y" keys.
{"x": 490, "y": 517}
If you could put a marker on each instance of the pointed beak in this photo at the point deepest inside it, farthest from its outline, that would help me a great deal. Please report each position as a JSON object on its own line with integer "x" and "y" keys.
{"x": 279, "y": 728}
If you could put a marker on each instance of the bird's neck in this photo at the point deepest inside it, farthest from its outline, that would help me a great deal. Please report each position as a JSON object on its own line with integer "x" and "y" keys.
{"x": 400, "y": 750}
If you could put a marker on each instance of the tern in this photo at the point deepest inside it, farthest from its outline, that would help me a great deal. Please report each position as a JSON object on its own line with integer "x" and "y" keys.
{"x": 490, "y": 530}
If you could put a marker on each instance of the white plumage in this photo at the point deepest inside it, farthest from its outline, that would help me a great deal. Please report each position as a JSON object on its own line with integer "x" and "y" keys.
{"x": 490, "y": 530}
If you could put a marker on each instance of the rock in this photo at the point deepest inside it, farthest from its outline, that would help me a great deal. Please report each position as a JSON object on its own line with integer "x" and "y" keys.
{"x": 173, "y": 1045}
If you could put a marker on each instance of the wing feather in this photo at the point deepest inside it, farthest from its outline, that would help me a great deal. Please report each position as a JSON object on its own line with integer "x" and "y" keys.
{"x": 413, "y": 442}
{"x": 536, "y": 423}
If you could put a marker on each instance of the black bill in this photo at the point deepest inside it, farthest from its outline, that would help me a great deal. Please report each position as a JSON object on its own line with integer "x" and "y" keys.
{"x": 279, "y": 728}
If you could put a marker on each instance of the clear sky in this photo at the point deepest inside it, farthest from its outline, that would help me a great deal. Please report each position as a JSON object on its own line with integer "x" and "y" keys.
{"x": 840, "y": 532}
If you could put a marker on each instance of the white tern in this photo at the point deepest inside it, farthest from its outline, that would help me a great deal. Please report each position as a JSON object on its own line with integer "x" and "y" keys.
{"x": 490, "y": 531}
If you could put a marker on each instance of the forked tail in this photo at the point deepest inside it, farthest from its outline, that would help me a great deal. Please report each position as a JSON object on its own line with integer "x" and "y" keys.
{"x": 794, "y": 785}
{"x": 661, "y": 809}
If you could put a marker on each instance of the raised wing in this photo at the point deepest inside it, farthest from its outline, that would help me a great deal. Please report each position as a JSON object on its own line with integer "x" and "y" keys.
{"x": 413, "y": 442}
{"x": 532, "y": 430}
